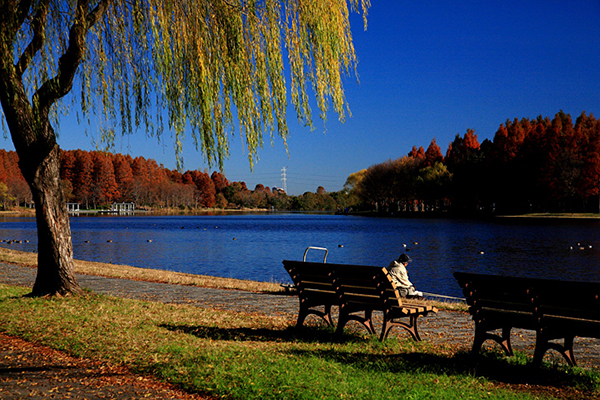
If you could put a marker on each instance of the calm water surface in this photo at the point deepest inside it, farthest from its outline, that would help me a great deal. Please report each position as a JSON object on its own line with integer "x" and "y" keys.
{"x": 253, "y": 246}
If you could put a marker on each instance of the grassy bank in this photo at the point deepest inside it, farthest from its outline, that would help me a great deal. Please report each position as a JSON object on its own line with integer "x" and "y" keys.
{"x": 142, "y": 274}
{"x": 177, "y": 278}
{"x": 554, "y": 215}
{"x": 240, "y": 356}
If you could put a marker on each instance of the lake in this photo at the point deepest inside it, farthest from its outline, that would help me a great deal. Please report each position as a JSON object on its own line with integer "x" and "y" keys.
{"x": 252, "y": 246}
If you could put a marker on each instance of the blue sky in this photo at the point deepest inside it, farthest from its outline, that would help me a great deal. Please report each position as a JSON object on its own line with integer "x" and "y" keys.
{"x": 429, "y": 69}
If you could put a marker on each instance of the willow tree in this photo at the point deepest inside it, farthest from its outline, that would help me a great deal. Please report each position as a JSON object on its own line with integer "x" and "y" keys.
{"x": 209, "y": 69}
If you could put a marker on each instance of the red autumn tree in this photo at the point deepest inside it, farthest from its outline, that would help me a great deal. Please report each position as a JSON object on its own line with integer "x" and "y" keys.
{"x": 105, "y": 188}
{"x": 67, "y": 165}
{"x": 417, "y": 153}
{"x": 82, "y": 186}
{"x": 124, "y": 176}
{"x": 220, "y": 181}
{"x": 433, "y": 154}
{"x": 563, "y": 169}
{"x": 587, "y": 130}
{"x": 3, "y": 174}
{"x": 206, "y": 189}
{"x": 464, "y": 161}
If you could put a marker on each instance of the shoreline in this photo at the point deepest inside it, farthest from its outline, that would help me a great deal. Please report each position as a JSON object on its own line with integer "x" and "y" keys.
{"x": 554, "y": 215}
{"x": 29, "y": 212}
{"x": 92, "y": 268}
{"x": 29, "y": 260}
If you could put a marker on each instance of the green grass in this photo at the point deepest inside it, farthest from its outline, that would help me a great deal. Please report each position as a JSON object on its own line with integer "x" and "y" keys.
{"x": 242, "y": 356}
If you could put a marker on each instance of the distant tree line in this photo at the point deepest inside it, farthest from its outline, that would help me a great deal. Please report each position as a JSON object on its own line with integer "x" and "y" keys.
{"x": 96, "y": 179}
{"x": 541, "y": 165}
{"x": 13, "y": 188}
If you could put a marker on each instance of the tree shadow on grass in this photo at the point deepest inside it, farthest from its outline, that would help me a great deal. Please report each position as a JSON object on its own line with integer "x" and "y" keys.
{"x": 489, "y": 365}
{"x": 309, "y": 334}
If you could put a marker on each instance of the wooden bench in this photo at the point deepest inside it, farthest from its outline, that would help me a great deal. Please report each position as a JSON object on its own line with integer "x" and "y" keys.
{"x": 314, "y": 283}
{"x": 355, "y": 289}
{"x": 553, "y": 309}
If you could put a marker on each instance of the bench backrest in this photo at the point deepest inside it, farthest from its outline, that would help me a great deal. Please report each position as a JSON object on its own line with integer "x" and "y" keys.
{"x": 543, "y": 298}
{"x": 567, "y": 298}
{"x": 353, "y": 284}
{"x": 312, "y": 279}
{"x": 366, "y": 285}
{"x": 494, "y": 292}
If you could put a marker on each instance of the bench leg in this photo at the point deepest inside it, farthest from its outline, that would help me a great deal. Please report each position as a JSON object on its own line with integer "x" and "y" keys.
{"x": 482, "y": 334}
{"x": 411, "y": 327}
{"x": 306, "y": 311}
{"x": 342, "y": 321}
{"x": 327, "y": 315}
{"x": 505, "y": 341}
{"x": 345, "y": 317}
{"x": 368, "y": 322}
{"x": 568, "y": 351}
{"x": 543, "y": 344}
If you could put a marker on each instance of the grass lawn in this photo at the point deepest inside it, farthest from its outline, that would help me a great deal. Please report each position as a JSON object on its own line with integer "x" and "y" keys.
{"x": 242, "y": 356}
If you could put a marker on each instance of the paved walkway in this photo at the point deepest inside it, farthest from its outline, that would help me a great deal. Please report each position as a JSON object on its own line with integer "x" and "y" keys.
{"x": 446, "y": 328}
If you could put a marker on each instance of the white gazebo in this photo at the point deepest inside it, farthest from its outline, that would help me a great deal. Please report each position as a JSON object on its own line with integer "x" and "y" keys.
{"x": 122, "y": 207}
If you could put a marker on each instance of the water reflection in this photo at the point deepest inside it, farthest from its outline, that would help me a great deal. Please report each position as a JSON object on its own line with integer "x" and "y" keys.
{"x": 253, "y": 246}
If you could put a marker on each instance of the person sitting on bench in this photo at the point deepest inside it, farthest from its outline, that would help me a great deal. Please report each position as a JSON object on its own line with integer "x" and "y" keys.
{"x": 397, "y": 270}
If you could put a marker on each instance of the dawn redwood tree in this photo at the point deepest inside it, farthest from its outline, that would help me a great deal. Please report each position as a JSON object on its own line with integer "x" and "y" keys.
{"x": 220, "y": 181}
{"x": 206, "y": 189}
{"x": 3, "y": 174}
{"x": 184, "y": 65}
{"x": 433, "y": 155}
{"x": 587, "y": 130}
{"x": 464, "y": 162}
{"x": 82, "y": 186}
{"x": 123, "y": 176}
{"x": 105, "y": 185}
{"x": 67, "y": 165}
{"x": 417, "y": 153}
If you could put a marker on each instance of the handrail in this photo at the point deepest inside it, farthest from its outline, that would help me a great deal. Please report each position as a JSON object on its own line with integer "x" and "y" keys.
{"x": 316, "y": 248}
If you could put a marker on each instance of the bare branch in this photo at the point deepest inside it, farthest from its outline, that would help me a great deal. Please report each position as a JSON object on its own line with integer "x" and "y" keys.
{"x": 68, "y": 63}
{"x": 23, "y": 11}
{"x": 97, "y": 13}
{"x": 38, "y": 26}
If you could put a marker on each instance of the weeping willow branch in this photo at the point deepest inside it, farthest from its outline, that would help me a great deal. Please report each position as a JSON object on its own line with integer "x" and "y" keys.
{"x": 38, "y": 26}
{"x": 208, "y": 69}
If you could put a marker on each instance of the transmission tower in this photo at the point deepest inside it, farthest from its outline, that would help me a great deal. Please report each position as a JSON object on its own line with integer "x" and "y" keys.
{"x": 284, "y": 179}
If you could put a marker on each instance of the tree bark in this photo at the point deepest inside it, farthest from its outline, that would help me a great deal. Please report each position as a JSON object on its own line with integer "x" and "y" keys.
{"x": 55, "y": 274}
{"x": 39, "y": 160}
{"x": 39, "y": 156}
{"x": 40, "y": 163}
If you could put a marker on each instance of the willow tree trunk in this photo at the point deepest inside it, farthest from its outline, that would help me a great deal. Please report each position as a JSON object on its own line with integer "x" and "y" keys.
{"x": 39, "y": 160}
{"x": 55, "y": 274}
{"x": 34, "y": 138}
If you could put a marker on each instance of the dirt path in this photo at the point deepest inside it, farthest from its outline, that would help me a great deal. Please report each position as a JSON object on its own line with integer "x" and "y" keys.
{"x": 31, "y": 371}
